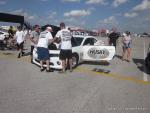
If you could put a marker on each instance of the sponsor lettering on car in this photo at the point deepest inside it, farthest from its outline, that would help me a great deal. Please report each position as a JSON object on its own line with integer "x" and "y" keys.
{"x": 98, "y": 53}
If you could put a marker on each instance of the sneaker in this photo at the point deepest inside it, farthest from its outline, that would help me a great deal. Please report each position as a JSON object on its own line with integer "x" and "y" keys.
{"x": 71, "y": 70}
{"x": 128, "y": 60}
{"x": 42, "y": 69}
{"x": 23, "y": 53}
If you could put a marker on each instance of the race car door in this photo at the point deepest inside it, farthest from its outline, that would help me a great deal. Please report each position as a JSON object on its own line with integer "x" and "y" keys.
{"x": 97, "y": 53}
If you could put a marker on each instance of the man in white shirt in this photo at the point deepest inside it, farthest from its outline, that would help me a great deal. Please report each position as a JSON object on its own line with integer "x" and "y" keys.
{"x": 34, "y": 36}
{"x": 45, "y": 39}
{"x": 66, "y": 46}
{"x": 19, "y": 36}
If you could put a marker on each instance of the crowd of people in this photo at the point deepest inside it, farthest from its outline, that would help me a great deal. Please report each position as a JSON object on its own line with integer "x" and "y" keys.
{"x": 126, "y": 43}
{"x": 42, "y": 39}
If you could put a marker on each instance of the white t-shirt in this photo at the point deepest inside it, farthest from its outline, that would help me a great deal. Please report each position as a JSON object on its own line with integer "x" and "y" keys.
{"x": 44, "y": 39}
{"x": 19, "y": 36}
{"x": 65, "y": 37}
{"x": 126, "y": 39}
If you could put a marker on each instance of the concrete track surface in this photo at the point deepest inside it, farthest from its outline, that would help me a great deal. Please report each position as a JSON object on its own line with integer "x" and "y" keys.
{"x": 120, "y": 87}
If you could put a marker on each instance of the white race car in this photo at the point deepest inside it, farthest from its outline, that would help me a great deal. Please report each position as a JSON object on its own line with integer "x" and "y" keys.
{"x": 3, "y": 35}
{"x": 84, "y": 48}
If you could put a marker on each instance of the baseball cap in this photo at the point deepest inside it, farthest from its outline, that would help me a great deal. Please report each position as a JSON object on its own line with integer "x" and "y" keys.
{"x": 49, "y": 28}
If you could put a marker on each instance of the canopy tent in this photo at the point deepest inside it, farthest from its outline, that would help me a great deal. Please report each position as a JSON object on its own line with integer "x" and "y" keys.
{"x": 4, "y": 17}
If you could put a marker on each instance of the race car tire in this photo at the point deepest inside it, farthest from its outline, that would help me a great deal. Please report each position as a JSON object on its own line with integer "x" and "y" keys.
{"x": 147, "y": 60}
{"x": 75, "y": 59}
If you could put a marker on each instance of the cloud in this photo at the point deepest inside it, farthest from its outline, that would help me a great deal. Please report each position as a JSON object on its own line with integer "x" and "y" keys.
{"x": 147, "y": 18}
{"x": 26, "y": 15}
{"x": 96, "y": 2}
{"x": 110, "y": 20}
{"x": 72, "y": 21}
{"x": 77, "y": 13}
{"x": 19, "y": 11}
{"x": 3, "y": 2}
{"x": 145, "y": 4}
{"x": 31, "y": 17}
{"x": 131, "y": 15}
{"x": 117, "y": 3}
{"x": 70, "y": 0}
{"x": 51, "y": 14}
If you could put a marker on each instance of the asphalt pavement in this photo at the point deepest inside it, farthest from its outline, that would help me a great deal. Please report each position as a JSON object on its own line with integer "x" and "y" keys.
{"x": 120, "y": 87}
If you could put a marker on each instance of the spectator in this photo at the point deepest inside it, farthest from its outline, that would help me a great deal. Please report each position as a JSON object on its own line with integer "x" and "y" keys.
{"x": 19, "y": 36}
{"x": 34, "y": 39}
{"x": 113, "y": 38}
{"x": 42, "y": 48}
{"x": 26, "y": 34}
{"x": 11, "y": 32}
{"x": 66, "y": 47}
{"x": 126, "y": 46}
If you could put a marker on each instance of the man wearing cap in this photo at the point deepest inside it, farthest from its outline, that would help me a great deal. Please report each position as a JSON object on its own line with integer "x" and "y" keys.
{"x": 45, "y": 39}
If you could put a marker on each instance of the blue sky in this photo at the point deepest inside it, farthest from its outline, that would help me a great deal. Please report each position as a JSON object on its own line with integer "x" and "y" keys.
{"x": 133, "y": 15}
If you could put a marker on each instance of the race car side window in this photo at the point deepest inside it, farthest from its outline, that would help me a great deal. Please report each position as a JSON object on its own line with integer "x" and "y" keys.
{"x": 76, "y": 41}
{"x": 89, "y": 41}
{"x": 73, "y": 42}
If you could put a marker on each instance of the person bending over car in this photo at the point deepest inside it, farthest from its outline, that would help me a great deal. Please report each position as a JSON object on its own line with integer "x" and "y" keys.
{"x": 66, "y": 48}
{"x": 42, "y": 48}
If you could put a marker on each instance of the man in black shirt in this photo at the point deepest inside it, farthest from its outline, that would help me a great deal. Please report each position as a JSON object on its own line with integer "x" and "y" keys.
{"x": 113, "y": 37}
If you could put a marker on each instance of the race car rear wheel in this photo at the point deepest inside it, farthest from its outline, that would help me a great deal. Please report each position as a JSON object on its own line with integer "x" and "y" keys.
{"x": 75, "y": 59}
{"x": 147, "y": 62}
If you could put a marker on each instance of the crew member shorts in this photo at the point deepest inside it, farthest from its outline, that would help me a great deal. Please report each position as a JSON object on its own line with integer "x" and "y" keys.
{"x": 43, "y": 53}
{"x": 20, "y": 46}
{"x": 65, "y": 54}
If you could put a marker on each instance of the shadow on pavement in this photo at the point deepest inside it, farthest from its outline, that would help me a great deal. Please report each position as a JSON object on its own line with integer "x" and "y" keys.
{"x": 26, "y": 54}
{"x": 118, "y": 56}
{"x": 141, "y": 65}
{"x": 8, "y": 53}
{"x": 101, "y": 70}
{"x": 105, "y": 63}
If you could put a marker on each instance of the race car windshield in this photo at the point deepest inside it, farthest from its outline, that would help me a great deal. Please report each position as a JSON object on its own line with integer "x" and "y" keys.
{"x": 76, "y": 41}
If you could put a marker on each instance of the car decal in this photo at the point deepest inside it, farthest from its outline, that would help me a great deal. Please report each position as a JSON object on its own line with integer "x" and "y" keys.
{"x": 96, "y": 53}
